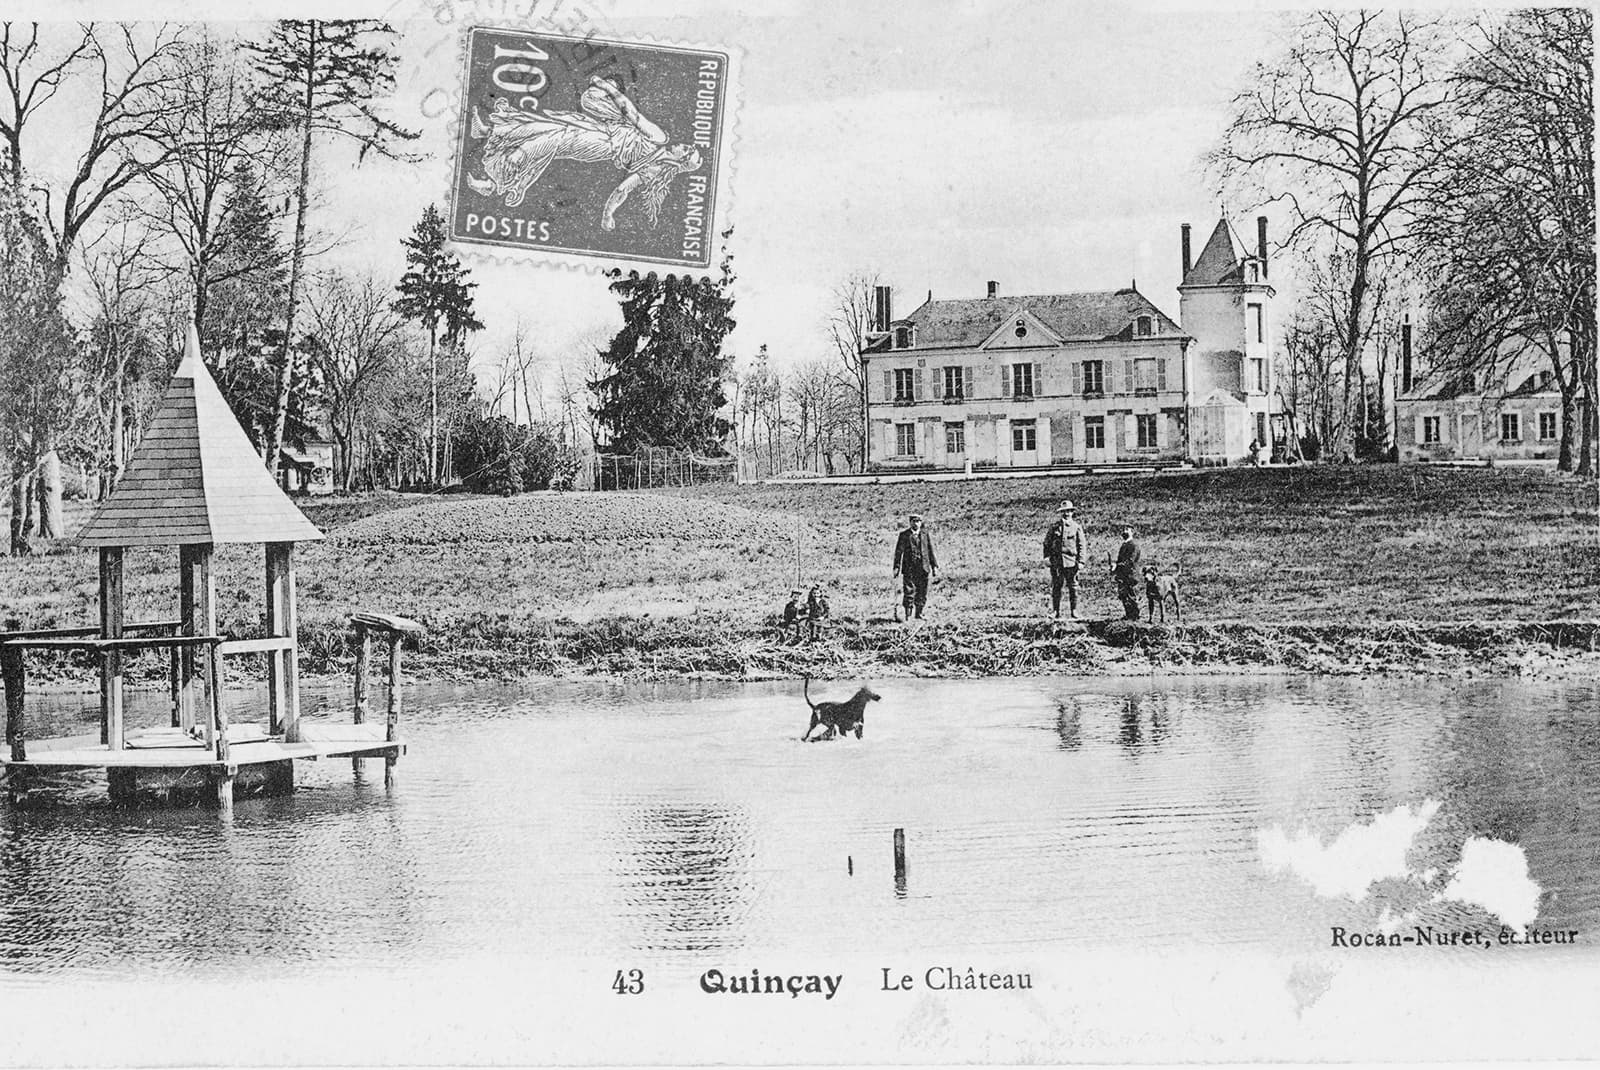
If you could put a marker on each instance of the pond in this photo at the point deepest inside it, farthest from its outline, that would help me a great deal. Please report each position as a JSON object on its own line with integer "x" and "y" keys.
{"x": 1167, "y": 862}
{"x": 671, "y": 822}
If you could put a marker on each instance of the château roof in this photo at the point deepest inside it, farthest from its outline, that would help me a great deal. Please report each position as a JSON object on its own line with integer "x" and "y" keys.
{"x": 1221, "y": 261}
{"x": 1075, "y": 317}
{"x": 195, "y": 477}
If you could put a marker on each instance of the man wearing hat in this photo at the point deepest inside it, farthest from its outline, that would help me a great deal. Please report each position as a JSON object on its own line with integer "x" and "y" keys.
{"x": 915, "y": 564}
{"x": 1065, "y": 548}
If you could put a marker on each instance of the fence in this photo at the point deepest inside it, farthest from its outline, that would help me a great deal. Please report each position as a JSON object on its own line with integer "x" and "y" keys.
{"x": 651, "y": 467}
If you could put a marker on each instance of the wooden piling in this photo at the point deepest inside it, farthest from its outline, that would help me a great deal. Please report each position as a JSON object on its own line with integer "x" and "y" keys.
{"x": 900, "y": 857}
{"x": 392, "y": 716}
{"x": 197, "y": 611}
{"x": 219, "y": 711}
{"x": 15, "y": 677}
{"x": 111, "y": 617}
{"x": 363, "y": 684}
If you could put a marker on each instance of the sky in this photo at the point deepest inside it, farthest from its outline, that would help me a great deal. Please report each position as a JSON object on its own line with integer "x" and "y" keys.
{"x": 1047, "y": 146}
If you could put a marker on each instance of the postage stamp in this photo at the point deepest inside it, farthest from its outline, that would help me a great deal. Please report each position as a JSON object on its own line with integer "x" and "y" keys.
{"x": 588, "y": 146}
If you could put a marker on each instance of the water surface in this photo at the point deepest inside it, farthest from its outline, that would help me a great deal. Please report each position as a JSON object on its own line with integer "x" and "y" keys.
{"x": 673, "y": 822}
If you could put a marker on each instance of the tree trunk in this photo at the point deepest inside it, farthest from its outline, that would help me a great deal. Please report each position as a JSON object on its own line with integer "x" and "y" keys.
{"x": 21, "y": 498}
{"x": 433, "y": 404}
{"x": 49, "y": 485}
{"x": 280, "y": 412}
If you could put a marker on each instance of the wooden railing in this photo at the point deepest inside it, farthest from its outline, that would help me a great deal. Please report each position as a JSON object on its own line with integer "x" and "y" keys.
{"x": 110, "y": 651}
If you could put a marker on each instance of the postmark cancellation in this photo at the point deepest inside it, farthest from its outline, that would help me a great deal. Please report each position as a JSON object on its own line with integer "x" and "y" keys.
{"x": 592, "y": 147}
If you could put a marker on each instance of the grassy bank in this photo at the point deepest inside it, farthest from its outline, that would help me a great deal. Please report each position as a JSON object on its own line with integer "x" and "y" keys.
{"x": 1319, "y": 569}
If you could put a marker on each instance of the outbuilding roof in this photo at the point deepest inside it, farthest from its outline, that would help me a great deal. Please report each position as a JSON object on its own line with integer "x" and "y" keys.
{"x": 195, "y": 477}
{"x": 1074, "y": 317}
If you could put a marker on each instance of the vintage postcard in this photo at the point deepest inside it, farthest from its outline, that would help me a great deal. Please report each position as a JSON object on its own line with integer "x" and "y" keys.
{"x": 606, "y": 532}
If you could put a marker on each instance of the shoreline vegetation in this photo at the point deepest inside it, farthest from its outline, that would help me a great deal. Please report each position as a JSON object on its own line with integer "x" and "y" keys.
{"x": 1332, "y": 570}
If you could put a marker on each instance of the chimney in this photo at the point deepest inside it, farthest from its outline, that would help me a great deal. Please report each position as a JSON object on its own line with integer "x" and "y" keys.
{"x": 1405, "y": 355}
{"x": 1187, "y": 264}
{"x": 882, "y": 308}
{"x": 994, "y": 288}
{"x": 1261, "y": 242}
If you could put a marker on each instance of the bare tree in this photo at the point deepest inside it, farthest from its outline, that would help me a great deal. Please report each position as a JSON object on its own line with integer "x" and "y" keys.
{"x": 1349, "y": 127}
{"x": 354, "y": 340}
{"x": 123, "y": 279}
{"x": 210, "y": 130}
{"x": 127, "y": 63}
{"x": 848, "y": 325}
{"x": 1511, "y": 227}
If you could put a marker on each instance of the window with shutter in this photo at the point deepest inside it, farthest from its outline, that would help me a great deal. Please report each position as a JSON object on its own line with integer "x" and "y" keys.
{"x": 1161, "y": 374}
{"x": 918, "y": 392}
{"x": 1127, "y": 376}
{"x": 1005, "y": 380}
{"x": 888, "y": 385}
{"x": 969, "y": 382}
{"x": 1077, "y": 377}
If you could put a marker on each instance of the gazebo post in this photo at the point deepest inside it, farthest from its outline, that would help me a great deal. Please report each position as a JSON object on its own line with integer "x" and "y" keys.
{"x": 283, "y": 666}
{"x": 111, "y": 618}
{"x": 198, "y": 613}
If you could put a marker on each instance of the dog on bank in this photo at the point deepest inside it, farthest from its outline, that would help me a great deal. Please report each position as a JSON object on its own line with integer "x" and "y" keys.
{"x": 1159, "y": 589}
{"x": 838, "y": 717}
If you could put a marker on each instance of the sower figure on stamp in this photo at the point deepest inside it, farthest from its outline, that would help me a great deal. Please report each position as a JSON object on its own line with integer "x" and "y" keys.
{"x": 1065, "y": 548}
{"x": 915, "y": 564}
{"x": 1126, "y": 573}
{"x": 520, "y": 145}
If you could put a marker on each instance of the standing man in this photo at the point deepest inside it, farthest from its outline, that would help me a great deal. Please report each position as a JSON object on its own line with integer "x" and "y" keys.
{"x": 915, "y": 564}
{"x": 1126, "y": 573}
{"x": 1065, "y": 548}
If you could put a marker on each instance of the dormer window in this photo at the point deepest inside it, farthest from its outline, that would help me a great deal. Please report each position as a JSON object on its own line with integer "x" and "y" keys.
{"x": 902, "y": 337}
{"x": 1144, "y": 326}
{"x": 1021, "y": 329}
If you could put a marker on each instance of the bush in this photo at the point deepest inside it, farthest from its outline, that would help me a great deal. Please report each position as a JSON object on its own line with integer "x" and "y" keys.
{"x": 500, "y": 457}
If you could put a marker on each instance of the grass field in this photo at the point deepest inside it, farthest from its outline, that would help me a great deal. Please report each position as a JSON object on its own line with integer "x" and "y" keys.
{"x": 518, "y": 585}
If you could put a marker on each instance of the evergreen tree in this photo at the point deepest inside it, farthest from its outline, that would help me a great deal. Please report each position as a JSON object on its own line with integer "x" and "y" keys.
{"x": 665, "y": 386}
{"x": 435, "y": 289}
{"x": 246, "y": 294}
{"x": 321, "y": 78}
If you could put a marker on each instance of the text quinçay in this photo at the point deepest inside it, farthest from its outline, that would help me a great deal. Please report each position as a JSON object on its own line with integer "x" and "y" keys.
{"x": 934, "y": 978}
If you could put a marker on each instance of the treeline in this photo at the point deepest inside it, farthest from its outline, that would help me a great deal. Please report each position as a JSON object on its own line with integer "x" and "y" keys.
{"x": 1436, "y": 165}
{"x": 156, "y": 175}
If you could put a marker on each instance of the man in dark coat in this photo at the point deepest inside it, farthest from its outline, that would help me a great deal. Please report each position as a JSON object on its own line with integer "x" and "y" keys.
{"x": 915, "y": 564}
{"x": 1126, "y": 573}
{"x": 1065, "y": 548}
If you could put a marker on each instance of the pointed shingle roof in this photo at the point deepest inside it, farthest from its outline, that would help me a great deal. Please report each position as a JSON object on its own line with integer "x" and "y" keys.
{"x": 1220, "y": 261}
{"x": 195, "y": 477}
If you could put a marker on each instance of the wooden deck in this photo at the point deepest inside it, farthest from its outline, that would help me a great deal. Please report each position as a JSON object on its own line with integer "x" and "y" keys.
{"x": 173, "y": 748}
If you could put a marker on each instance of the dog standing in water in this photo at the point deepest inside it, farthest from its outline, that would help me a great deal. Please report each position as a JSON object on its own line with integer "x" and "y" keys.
{"x": 838, "y": 717}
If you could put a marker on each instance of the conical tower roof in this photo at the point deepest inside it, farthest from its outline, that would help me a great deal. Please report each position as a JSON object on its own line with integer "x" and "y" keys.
{"x": 1219, "y": 260}
{"x": 195, "y": 477}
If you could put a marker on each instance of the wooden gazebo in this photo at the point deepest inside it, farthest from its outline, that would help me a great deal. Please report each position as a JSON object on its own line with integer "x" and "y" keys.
{"x": 195, "y": 482}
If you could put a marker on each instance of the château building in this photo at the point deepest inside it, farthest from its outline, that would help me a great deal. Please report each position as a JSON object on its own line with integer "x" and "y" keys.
{"x": 1096, "y": 378}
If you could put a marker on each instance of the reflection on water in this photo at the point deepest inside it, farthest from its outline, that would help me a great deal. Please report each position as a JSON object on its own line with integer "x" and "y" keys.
{"x": 678, "y": 821}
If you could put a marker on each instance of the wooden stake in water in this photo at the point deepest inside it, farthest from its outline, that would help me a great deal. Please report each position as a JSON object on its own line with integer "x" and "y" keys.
{"x": 900, "y": 857}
